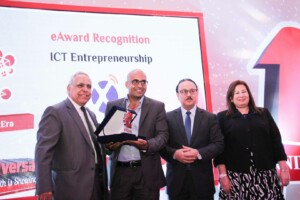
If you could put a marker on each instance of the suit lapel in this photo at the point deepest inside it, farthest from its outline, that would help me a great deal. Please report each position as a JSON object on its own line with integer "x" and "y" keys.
{"x": 78, "y": 121}
{"x": 179, "y": 121}
{"x": 196, "y": 127}
{"x": 144, "y": 111}
{"x": 93, "y": 118}
{"x": 122, "y": 103}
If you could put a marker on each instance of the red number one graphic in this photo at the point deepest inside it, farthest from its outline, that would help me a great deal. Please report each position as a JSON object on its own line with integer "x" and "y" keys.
{"x": 281, "y": 60}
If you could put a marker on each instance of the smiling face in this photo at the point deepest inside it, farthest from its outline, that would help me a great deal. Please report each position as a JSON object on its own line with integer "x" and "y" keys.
{"x": 187, "y": 94}
{"x": 79, "y": 89}
{"x": 136, "y": 84}
{"x": 240, "y": 97}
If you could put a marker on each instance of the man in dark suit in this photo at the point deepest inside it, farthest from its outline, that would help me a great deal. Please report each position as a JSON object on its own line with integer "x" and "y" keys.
{"x": 136, "y": 171}
{"x": 194, "y": 140}
{"x": 69, "y": 163}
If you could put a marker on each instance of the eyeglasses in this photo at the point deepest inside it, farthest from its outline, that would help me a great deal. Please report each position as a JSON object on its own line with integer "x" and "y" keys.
{"x": 191, "y": 91}
{"x": 137, "y": 82}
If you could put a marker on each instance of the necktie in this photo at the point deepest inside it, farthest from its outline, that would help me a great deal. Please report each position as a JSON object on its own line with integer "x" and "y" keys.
{"x": 187, "y": 126}
{"x": 93, "y": 136}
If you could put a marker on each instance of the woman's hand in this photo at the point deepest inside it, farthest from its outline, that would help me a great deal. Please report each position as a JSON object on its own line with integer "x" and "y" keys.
{"x": 284, "y": 177}
{"x": 284, "y": 174}
{"x": 225, "y": 184}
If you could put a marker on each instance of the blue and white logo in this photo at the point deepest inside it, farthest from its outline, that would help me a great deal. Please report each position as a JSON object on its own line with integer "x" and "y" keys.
{"x": 104, "y": 91}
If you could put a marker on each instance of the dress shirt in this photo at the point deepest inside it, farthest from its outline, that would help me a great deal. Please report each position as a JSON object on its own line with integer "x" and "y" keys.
{"x": 129, "y": 152}
{"x": 192, "y": 116}
{"x": 78, "y": 109}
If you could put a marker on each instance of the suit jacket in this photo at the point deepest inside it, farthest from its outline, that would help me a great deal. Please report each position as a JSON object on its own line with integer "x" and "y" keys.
{"x": 64, "y": 156}
{"x": 206, "y": 138}
{"x": 153, "y": 126}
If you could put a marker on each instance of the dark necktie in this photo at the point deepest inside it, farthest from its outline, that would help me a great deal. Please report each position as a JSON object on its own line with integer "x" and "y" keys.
{"x": 93, "y": 136}
{"x": 187, "y": 126}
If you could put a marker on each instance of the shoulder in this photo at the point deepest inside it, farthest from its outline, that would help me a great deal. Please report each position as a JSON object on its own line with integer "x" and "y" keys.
{"x": 113, "y": 102}
{"x": 61, "y": 105}
{"x": 222, "y": 113}
{"x": 148, "y": 99}
{"x": 205, "y": 112}
{"x": 174, "y": 112}
{"x": 58, "y": 109}
{"x": 152, "y": 102}
{"x": 118, "y": 102}
{"x": 265, "y": 112}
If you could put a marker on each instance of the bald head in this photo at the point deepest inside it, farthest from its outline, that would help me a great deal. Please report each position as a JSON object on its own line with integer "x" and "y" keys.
{"x": 134, "y": 73}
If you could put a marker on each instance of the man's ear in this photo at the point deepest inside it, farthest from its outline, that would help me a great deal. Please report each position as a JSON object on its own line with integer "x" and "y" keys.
{"x": 127, "y": 84}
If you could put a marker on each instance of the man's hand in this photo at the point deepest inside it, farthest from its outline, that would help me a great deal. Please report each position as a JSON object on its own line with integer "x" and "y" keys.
{"x": 140, "y": 144}
{"x": 186, "y": 155}
{"x": 112, "y": 146}
{"x": 45, "y": 196}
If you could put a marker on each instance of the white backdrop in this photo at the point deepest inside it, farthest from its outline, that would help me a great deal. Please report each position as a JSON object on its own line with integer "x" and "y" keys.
{"x": 45, "y": 46}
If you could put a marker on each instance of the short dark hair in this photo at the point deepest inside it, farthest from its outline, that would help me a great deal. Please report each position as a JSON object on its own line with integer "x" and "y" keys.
{"x": 183, "y": 80}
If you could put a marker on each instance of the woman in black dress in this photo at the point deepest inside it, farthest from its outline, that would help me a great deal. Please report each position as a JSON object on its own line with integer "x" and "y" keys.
{"x": 253, "y": 147}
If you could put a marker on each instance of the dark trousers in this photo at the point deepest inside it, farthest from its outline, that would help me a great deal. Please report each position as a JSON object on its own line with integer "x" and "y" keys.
{"x": 129, "y": 184}
{"x": 98, "y": 190}
{"x": 188, "y": 190}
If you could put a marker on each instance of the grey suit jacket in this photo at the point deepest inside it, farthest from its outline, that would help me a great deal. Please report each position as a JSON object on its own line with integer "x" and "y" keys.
{"x": 64, "y": 156}
{"x": 206, "y": 138}
{"x": 153, "y": 126}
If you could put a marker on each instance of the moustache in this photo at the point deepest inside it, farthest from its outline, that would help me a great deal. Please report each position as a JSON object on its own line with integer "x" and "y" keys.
{"x": 189, "y": 98}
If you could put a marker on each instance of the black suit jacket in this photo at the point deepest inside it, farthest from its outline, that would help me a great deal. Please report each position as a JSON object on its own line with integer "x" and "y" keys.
{"x": 153, "y": 126}
{"x": 206, "y": 138}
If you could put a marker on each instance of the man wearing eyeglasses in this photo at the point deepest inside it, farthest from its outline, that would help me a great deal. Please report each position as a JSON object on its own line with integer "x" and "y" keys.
{"x": 194, "y": 140}
{"x": 135, "y": 168}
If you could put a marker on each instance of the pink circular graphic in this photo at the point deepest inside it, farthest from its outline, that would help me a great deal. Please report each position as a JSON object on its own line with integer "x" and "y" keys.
{"x": 5, "y": 94}
{"x": 9, "y": 60}
{"x": 6, "y": 65}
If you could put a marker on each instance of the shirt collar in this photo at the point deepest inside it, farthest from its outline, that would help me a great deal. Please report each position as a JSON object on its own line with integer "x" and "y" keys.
{"x": 140, "y": 101}
{"x": 74, "y": 104}
{"x": 193, "y": 110}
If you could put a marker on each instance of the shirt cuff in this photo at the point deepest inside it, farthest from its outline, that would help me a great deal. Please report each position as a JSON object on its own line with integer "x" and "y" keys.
{"x": 199, "y": 156}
